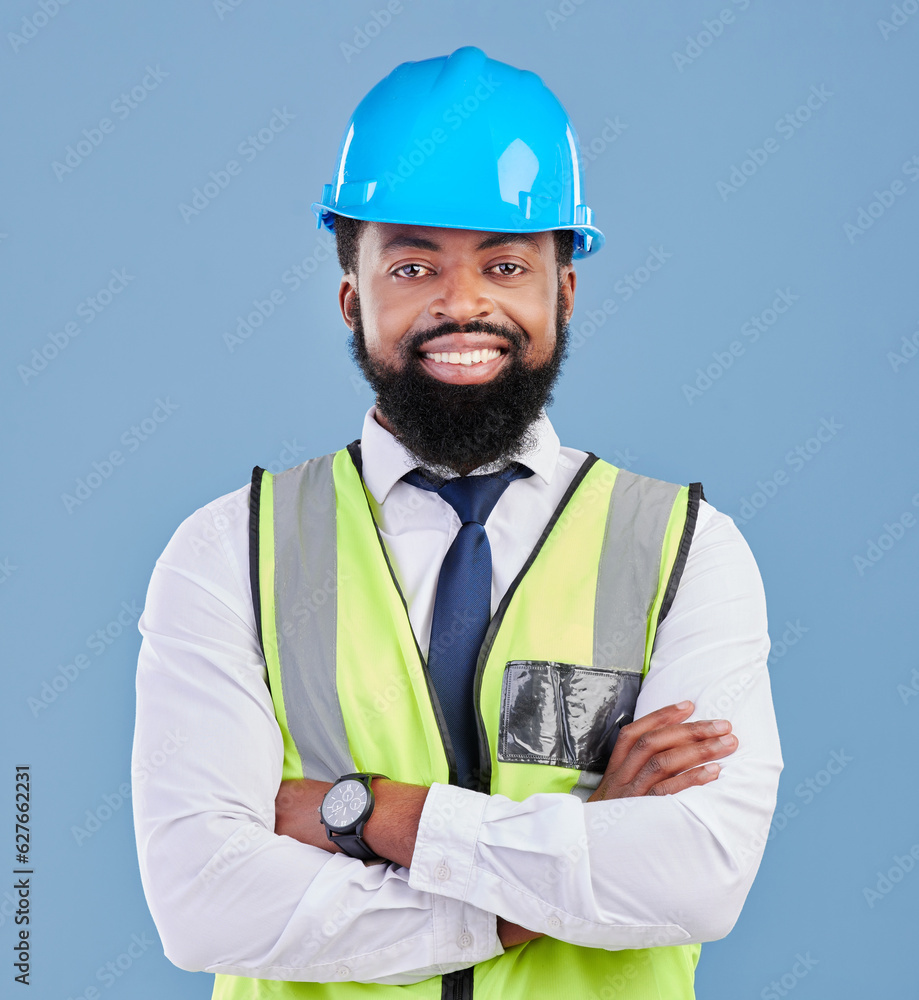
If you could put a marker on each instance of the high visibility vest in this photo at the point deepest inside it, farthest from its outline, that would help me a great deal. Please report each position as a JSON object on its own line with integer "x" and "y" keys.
{"x": 351, "y": 690}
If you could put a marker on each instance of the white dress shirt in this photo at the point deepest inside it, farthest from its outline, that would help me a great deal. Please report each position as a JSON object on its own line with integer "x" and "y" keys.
{"x": 229, "y": 895}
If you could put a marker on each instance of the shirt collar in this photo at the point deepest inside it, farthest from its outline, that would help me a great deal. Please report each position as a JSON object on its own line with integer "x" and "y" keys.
{"x": 386, "y": 460}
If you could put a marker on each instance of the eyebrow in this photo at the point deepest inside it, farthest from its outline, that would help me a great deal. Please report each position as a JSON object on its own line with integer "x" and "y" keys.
{"x": 402, "y": 241}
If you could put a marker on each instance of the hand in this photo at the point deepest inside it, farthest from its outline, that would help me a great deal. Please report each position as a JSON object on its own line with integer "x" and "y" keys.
{"x": 510, "y": 934}
{"x": 658, "y": 755}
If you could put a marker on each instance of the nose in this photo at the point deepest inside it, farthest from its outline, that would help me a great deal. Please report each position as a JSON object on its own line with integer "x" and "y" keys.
{"x": 461, "y": 296}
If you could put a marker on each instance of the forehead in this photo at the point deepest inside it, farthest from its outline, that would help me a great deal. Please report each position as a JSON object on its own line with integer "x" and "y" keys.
{"x": 384, "y": 238}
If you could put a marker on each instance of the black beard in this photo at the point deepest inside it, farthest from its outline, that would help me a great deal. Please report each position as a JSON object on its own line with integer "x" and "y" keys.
{"x": 461, "y": 427}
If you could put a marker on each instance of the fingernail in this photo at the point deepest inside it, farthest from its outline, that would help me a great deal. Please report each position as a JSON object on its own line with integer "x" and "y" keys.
{"x": 726, "y": 740}
{"x": 713, "y": 768}
{"x": 683, "y": 705}
{"x": 721, "y": 726}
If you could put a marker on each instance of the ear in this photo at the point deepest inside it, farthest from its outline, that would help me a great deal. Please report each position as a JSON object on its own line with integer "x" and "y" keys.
{"x": 347, "y": 291}
{"x": 568, "y": 280}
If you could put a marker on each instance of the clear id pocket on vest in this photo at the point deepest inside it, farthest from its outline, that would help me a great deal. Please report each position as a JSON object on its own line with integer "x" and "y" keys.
{"x": 563, "y": 714}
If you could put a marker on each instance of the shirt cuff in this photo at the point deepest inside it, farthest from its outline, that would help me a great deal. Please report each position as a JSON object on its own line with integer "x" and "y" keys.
{"x": 464, "y": 935}
{"x": 446, "y": 843}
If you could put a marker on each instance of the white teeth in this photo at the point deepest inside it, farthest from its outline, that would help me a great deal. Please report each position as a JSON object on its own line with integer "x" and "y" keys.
{"x": 465, "y": 357}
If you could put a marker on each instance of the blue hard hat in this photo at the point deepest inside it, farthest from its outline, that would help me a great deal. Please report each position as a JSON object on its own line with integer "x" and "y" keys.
{"x": 461, "y": 142}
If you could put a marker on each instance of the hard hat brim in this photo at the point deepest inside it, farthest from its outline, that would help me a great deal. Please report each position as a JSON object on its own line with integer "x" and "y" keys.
{"x": 590, "y": 242}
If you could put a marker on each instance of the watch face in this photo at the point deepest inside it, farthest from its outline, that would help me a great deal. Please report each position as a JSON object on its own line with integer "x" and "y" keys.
{"x": 344, "y": 805}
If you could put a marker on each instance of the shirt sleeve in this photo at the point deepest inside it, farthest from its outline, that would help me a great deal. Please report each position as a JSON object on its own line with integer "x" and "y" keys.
{"x": 646, "y": 871}
{"x": 226, "y": 893}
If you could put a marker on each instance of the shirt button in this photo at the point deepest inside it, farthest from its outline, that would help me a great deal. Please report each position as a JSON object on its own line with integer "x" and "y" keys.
{"x": 464, "y": 940}
{"x": 554, "y": 922}
{"x": 343, "y": 972}
{"x": 441, "y": 873}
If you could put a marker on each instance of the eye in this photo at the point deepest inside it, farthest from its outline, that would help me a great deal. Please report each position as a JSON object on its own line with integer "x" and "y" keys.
{"x": 409, "y": 270}
{"x": 507, "y": 269}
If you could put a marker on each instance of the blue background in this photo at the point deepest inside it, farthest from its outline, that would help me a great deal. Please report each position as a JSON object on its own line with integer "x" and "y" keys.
{"x": 689, "y": 103}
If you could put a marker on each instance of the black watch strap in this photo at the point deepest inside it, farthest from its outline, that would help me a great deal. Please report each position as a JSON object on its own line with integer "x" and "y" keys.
{"x": 354, "y": 845}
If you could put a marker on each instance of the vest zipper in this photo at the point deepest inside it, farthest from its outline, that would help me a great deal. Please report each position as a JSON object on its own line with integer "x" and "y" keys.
{"x": 457, "y": 985}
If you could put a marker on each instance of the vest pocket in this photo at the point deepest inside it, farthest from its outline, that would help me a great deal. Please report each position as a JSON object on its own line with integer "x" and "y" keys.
{"x": 563, "y": 714}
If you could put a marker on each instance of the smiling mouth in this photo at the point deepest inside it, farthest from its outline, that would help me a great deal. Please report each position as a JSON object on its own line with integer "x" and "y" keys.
{"x": 463, "y": 357}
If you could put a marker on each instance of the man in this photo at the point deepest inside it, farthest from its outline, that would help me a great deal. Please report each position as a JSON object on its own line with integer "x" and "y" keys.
{"x": 401, "y": 679}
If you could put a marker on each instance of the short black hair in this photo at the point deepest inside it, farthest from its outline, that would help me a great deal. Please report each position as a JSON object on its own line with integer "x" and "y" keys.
{"x": 348, "y": 234}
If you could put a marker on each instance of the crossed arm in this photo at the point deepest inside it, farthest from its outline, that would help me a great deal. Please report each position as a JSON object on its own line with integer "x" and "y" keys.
{"x": 658, "y": 754}
{"x": 229, "y": 895}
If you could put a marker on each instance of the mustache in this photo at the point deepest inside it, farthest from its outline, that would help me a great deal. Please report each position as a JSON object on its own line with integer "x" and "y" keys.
{"x": 415, "y": 342}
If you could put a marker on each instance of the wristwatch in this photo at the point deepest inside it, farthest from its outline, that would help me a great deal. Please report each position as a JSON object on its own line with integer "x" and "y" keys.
{"x": 344, "y": 812}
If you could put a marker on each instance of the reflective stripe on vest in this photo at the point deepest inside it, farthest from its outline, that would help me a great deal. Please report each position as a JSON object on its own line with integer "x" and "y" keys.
{"x": 351, "y": 690}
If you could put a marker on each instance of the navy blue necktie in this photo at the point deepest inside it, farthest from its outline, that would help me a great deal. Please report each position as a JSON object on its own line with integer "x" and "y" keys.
{"x": 462, "y": 606}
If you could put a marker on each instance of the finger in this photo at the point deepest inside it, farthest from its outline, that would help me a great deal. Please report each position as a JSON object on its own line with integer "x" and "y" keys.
{"x": 697, "y": 776}
{"x": 628, "y": 735}
{"x": 665, "y": 738}
{"x": 672, "y": 762}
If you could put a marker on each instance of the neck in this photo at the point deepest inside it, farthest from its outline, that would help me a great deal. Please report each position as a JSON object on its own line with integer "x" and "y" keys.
{"x": 461, "y": 470}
